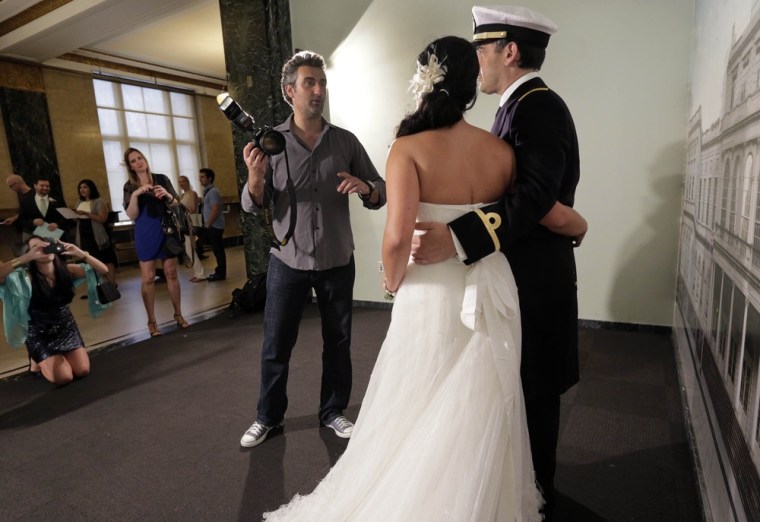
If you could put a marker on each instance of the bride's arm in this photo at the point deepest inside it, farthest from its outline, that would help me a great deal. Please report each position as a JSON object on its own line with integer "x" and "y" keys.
{"x": 403, "y": 192}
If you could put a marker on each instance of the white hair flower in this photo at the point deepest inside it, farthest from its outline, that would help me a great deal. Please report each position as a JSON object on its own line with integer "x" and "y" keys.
{"x": 427, "y": 76}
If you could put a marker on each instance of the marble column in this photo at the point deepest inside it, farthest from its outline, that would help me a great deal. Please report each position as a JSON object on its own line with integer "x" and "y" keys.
{"x": 30, "y": 137}
{"x": 257, "y": 41}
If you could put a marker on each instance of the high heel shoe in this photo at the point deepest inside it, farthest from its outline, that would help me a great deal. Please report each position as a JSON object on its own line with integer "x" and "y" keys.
{"x": 153, "y": 329}
{"x": 181, "y": 321}
{"x": 37, "y": 372}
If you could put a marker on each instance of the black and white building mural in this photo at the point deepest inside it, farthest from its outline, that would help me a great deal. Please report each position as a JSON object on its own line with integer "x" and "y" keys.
{"x": 717, "y": 314}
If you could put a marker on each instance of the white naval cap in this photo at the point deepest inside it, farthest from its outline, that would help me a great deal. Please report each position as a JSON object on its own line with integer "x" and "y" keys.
{"x": 512, "y": 22}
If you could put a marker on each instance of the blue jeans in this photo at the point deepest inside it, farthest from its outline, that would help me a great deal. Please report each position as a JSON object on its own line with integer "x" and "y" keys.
{"x": 287, "y": 291}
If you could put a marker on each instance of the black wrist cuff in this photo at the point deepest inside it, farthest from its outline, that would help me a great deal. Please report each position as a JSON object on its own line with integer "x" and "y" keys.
{"x": 477, "y": 231}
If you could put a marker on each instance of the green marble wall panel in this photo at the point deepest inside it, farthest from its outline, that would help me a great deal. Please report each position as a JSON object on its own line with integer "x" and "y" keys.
{"x": 30, "y": 139}
{"x": 257, "y": 41}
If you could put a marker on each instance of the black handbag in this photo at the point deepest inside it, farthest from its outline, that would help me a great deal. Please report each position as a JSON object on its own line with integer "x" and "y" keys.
{"x": 169, "y": 223}
{"x": 174, "y": 242}
{"x": 173, "y": 247}
{"x": 107, "y": 292}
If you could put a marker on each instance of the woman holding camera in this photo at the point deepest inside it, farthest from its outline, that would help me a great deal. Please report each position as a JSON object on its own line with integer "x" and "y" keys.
{"x": 43, "y": 289}
{"x": 146, "y": 196}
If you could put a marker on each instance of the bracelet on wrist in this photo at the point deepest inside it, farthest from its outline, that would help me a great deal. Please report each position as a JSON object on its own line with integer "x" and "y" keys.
{"x": 15, "y": 263}
{"x": 85, "y": 255}
{"x": 388, "y": 295}
{"x": 365, "y": 197}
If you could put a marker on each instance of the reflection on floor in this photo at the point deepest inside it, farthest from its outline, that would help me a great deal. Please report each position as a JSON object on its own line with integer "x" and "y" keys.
{"x": 126, "y": 320}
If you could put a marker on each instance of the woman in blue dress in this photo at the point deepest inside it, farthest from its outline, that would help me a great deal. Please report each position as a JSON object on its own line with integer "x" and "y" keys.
{"x": 145, "y": 198}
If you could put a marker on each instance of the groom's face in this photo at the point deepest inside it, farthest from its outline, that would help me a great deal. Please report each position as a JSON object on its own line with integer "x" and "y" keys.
{"x": 492, "y": 68}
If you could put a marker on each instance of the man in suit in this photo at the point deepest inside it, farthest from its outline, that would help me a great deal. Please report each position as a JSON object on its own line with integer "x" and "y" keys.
{"x": 511, "y": 42}
{"x": 41, "y": 210}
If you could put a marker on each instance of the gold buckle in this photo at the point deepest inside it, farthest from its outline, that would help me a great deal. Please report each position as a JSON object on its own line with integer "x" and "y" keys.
{"x": 491, "y": 221}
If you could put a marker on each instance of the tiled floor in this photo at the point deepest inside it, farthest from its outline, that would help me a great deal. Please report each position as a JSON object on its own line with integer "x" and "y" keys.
{"x": 126, "y": 319}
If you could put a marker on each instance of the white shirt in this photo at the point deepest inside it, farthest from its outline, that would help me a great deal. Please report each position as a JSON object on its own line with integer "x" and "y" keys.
{"x": 43, "y": 202}
{"x": 512, "y": 88}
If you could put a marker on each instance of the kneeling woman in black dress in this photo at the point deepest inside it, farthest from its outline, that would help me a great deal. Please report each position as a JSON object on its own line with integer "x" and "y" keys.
{"x": 52, "y": 336}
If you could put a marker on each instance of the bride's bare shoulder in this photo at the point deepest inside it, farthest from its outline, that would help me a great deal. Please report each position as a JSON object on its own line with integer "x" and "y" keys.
{"x": 402, "y": 144}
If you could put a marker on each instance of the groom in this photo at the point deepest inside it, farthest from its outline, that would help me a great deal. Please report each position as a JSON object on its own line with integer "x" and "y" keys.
{"x": 511, "y": 43}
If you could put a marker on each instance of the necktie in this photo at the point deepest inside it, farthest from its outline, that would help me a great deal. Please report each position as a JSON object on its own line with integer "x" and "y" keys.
{"x": 43, "y": 206}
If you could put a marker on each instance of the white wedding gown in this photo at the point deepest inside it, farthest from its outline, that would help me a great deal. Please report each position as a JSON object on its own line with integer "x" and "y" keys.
{"x": 441, "y": 435}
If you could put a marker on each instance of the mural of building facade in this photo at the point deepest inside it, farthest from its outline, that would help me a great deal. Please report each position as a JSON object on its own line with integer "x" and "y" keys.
{"x": 718, "y": 285}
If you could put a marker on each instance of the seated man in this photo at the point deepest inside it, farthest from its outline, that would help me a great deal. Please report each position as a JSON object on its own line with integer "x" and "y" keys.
{"x": 41, "y": 210}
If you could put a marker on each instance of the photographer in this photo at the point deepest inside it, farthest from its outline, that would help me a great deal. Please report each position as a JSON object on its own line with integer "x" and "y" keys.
{"x": 328, "y": 165}
{"x": 145, "y": 198}
{"x": 37, "y": 289}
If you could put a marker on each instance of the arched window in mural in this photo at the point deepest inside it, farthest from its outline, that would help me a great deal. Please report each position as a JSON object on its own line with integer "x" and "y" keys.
{"x": 704, "y": 184}
{"x": 733, "y": 185}
{"x": 725, "y": 190}
{"x": 746, "y": 197}
{"x": 713, "y": 201}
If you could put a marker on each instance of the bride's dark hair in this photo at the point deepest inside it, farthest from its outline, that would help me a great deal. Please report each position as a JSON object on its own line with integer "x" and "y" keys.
{"x": 451, "y": 97}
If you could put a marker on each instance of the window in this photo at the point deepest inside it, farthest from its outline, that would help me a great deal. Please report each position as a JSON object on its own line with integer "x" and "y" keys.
{"x": 161, "y": 123}
{"x": 734, "y": 189}
{"x": 725, "y": 183}
{"x": 745, "y": 198}
{"x": 735, "y": 340}
{"x": 747, "y": 384}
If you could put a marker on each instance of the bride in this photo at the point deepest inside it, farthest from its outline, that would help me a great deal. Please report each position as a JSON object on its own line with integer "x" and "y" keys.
{"x": 441, "y": 434}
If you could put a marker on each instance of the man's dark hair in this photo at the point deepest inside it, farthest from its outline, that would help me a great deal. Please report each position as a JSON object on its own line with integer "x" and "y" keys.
{"x": 209, "y": 173}
{"x": 531, "y": 57}
{"x": 290, "y": 69}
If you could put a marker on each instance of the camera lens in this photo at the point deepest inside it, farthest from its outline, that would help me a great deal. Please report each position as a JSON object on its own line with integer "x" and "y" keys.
{"x": 272, "y": 142}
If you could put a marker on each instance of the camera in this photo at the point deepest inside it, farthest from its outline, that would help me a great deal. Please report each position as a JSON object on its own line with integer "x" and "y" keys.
{"x": 54, "y": 247}
{"x": 270, "y": 141}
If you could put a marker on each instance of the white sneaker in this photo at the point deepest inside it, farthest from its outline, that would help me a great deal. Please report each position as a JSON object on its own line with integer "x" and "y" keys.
{"x": 342, "y": 427}
{"x": 255, "y": 435}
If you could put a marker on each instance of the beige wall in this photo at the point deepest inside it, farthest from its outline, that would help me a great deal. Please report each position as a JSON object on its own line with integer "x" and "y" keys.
{"x": 628, "y": 95}
{"x": 76, "y": 132}
{"x": 217, "y": 153}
